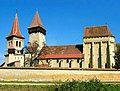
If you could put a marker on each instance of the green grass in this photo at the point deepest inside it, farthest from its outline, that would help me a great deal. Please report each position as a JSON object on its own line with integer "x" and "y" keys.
{"x": 26, "y": 88}
{"x": 92, "y": 85}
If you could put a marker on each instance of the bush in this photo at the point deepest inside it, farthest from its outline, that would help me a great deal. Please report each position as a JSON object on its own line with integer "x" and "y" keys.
{"x": 92, "y": 85}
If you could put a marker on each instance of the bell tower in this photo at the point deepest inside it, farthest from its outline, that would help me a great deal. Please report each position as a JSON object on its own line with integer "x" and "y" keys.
{"x": 36, "y": 31}
{"x": 15, "y": 43}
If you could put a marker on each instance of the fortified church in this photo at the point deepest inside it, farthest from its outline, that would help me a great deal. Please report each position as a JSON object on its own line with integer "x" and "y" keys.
{"x": 97, "y": 50}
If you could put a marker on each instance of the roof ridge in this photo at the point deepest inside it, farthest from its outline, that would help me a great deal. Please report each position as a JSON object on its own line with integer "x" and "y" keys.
{"x": 96, "y": 26}
{"x": 60, "y": 45}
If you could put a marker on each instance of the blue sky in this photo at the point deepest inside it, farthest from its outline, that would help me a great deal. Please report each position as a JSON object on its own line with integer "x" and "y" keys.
{"x": 64, "y": 20}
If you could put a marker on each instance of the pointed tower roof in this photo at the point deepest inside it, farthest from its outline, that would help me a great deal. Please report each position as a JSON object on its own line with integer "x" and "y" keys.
{"x": 36, "y": 21}
{"x": 36, "y": 25}
{"x": 15, "y": 31}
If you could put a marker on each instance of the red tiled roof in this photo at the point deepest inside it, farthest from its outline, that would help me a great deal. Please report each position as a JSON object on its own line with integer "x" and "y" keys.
{"x": 97, "y": 31}
{"x": 36, "y": 21}
{"x": 15, "y": 29}
{"x": 69, "y": 51}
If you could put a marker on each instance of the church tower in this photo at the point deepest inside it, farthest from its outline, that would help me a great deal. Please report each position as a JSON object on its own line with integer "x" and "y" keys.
{"x": 98, "y": 47}
{"x": 15, "y": 43}
{"x": 36, "y": 31}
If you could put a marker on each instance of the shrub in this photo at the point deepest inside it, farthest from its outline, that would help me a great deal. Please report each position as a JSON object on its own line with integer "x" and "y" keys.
{"x": 92, "y": 85}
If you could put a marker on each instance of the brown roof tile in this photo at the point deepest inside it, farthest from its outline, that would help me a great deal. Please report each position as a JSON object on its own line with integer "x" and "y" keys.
{"x": 15, "y": 31}
{"x": 69, "y": 51}
{"x": 36, "y": 21}
{"x": 97, "y": 31}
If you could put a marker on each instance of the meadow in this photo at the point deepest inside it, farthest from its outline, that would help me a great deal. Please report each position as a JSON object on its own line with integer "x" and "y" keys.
{"x": 92, "y": 85}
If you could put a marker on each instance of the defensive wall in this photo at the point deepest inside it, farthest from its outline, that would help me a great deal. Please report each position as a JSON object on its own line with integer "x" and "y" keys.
{"x": 42, "y": 74}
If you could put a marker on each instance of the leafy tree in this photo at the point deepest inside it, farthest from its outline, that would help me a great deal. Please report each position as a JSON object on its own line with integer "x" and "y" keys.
{"x": 118, "y": 46}
{"x": 117, "y": 57}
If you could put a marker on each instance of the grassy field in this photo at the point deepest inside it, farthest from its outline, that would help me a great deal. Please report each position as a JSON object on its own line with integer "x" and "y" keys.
{"x": 92, "y": 85}
{"x": 27, "y": 88}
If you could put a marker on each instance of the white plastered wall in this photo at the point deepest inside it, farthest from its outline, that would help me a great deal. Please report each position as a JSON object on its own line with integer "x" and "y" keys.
{"x": 17, "y": 56}
{"x": 86, "y": 50}
{"x": 39, "y": 37}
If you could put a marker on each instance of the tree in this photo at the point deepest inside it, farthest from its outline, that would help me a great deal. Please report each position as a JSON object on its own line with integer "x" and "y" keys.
{"x": 24, "y": 51}
{"x": 32, "y": 49}
{"x": 43, "y": 52}
{"x": 117, "y": 57}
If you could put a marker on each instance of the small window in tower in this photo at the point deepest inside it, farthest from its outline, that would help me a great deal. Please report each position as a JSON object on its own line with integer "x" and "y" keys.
{"x": 19, "y": 44}
{"x": 9, "y": 43}
{"x": 16, "y": 43}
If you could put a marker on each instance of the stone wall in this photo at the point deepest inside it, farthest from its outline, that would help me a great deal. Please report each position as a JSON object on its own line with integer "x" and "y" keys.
{"x": 57, "y": 75}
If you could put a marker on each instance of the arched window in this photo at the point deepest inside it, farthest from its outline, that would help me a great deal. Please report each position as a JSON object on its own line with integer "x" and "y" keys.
{"x": 60, "y": 64}
{"x": 17, "y": 43}
{"x": 70, "y": 64}
{"x": 9, "y": 43}
{"x": 105, "y": 65}
{"x": 67, "y": 60}
{"x": 81, "y": 64}
{"x": 57, "y": 61}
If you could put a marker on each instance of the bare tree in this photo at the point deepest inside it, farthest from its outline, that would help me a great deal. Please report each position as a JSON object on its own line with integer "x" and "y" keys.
{"x": 33, "y": 51}
{"x": 44, "y": 51}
